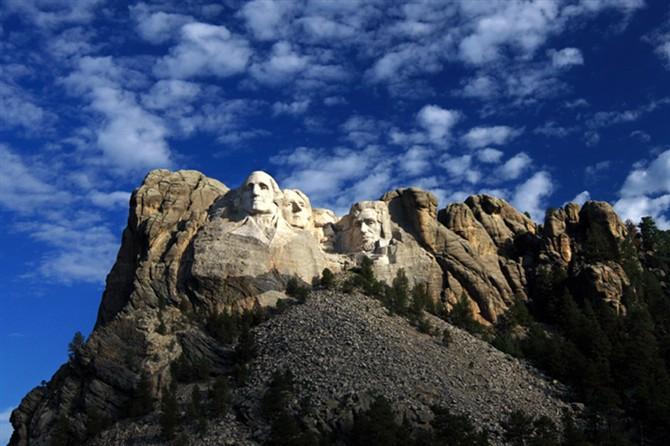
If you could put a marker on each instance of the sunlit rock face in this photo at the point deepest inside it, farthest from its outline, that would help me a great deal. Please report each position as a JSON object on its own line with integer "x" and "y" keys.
{"x": 256, "y": 238}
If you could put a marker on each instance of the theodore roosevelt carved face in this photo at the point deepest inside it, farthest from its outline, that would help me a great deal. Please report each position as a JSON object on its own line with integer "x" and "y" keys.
{"x": 259, "y": 193}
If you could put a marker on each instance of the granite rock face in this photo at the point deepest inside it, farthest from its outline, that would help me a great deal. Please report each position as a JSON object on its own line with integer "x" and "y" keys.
{"x": 193, "y": 248}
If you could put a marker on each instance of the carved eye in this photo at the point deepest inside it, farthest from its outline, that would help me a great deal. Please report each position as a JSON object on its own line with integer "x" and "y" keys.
{"x": 264, "y": 186}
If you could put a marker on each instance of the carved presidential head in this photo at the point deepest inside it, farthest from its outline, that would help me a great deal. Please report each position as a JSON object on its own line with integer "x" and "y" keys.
{"x": 260, "y": 194}
{"x": 297, "y": 209}
{"x": 368, "y": 227}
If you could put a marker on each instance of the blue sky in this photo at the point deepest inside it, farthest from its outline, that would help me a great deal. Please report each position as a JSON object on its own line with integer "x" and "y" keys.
{"x": 539, "y": 102}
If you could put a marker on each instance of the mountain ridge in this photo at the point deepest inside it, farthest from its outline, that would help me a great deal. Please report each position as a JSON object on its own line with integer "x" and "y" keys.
{"x": 158, "y": 299}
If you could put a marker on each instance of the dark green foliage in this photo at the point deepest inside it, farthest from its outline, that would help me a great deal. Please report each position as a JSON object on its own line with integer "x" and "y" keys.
{"x": 455, "y": 430}
{"x": 522, "y": 429}
{"x": 227, "y": 326}
{"x": 219, "y": 396}
{"x": 366, "y": 271}
{"x": 141, "y": 402}
{"x": 196, "y": 410}
{"x": 246, "y": 348}
{"x": 461, "y": 316}
{"x": 275, "y": 398}
{"x": 296, "y": 290}
{"x": 599, "y": 246}
{"x": 285, "y": 430}
{"x": 365, "y": 279}
{"x": 188, "y": 371}
{"x": 376, "y": 426}
{"x": 617, "y": 364}
{"x": 396, "y": 297}
{"x": 446, "y": 337}
{"x": 421, "y": 300}
{"x": 224, "y": 326}
{"x": 169, "y": 417}
{"x": 424, "y": 326}
{"x": 327, "y": 279}
{"x": 75, "y": 346}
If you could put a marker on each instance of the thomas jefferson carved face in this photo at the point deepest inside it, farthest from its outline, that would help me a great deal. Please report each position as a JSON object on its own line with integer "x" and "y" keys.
{"x": 297, "y": 208}
{"x": 258, "y": 194}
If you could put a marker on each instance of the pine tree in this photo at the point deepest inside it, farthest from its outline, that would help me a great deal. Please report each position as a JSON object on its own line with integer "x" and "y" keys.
{"x": 142, "y": 400}
{"x": 327, "y": 279}
{"x": 219, "y": 396}
{"x": 169, "y": 418}
{"x": 376, "y": 426}
{"x": 75, "y": 346}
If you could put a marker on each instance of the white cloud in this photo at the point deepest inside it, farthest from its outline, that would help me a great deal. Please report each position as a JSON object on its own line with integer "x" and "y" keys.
{"x": 130, "y": 137}
{"x": 362, "y": 130}
{"x": 483, "y": 136}
{"x": 566, "y": 57}
{"x": 663, "y": 50}
{"x": 170, "y": 93}
{"x": 415, "y": 161}
{"x": 75, "y": 41}
{"x": 18, "y": 109}
{"x": 650, "y": 179}
{"x": 515, "y": 166}
{"x": 460, "y": 168}
{"x": 54, "y": 13}
{"x": 521, "y": 26}
{"x": 290, "y": 108}
{"x": 553, "y": 129}
{"x": 529, "y": 196}
{"x": 335, "y": 178}
{"x": 205, "y": 50}
{"x": 157, "y": 27}
{"x": 283, "y": 64}
{"x": 6, "y": 428}
{"x": 81, "y": 251}
{"x": 437, "y": 121}
{"x": 581, "y": 197}
{"x": 23, "y": 191}
{"x": 110, "y": 200}
{"x": 480, "y": 86}
{"x": 635, "y": 207}
{"x": 264, "y": 17}
{"x": 489, "y": 155}
{"x": 404, "y": 61}
{"x": 321, "y": 28}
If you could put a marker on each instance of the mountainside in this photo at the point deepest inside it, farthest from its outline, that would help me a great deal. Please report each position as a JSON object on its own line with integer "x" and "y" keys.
{"x": 211, "y": 282}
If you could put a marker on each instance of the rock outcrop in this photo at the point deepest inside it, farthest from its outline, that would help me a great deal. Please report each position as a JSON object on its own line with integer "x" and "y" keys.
{"x": 194, "y": 248}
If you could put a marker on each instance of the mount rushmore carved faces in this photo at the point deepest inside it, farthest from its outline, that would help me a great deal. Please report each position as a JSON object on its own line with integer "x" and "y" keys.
{"x": 260, "y": 193}
{"x": 297, "y": 209}
{"x": 369, "y": 228}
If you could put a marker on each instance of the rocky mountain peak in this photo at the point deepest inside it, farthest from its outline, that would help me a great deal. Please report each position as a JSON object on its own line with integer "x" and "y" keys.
{"x": 194, "y": 249}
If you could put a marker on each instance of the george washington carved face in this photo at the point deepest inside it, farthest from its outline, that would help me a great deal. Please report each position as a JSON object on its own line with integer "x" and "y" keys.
{"x": 259, "y": 194}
